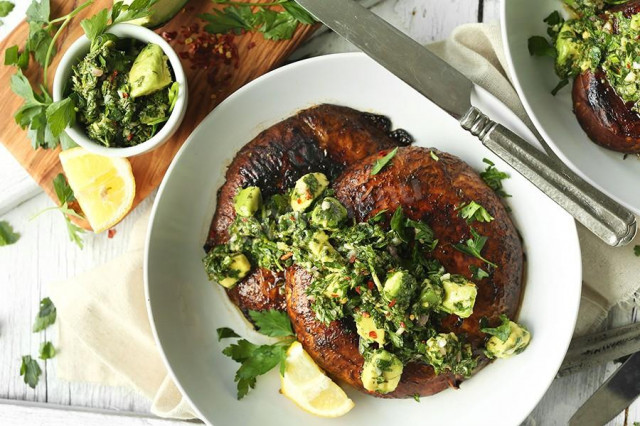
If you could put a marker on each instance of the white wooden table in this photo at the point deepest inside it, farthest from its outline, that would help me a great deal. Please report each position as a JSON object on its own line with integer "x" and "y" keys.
{"x": 44, "y": 254}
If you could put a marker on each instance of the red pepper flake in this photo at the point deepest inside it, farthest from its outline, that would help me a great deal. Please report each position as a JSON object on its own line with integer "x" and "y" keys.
{"x": 352, "y": 259}
{"x": 125, "y": 95}
{"x": 392, "y": 303}
{"x": 358, "y": 290}
{"x": 402, "y": 325}
{"x": 169, "y": 35}
{"x": 366, "y": 314}
{"x": 111, "y": 233}
{"x": 130, "y": 136}
{"x": 373, "y": 334}
{"x": 370, "y": 285}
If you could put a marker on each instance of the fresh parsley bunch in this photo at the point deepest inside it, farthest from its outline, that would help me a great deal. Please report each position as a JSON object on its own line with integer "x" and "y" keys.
{"x": 257, "y": 360}
{"x": 44, "y": 119}
{"x": 241, "y": 16}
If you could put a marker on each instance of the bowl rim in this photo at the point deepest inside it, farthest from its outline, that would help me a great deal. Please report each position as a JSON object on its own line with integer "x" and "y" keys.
{"x": 80, "y": 47}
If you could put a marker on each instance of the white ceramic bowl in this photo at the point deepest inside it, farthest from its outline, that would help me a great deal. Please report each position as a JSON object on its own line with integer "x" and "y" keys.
{"x": 185, "y": 308}
{"x": 80, "y": 48}
{"x": 553, "y": 116}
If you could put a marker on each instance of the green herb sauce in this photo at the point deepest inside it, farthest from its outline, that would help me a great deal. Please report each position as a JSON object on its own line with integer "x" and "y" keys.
{"x": 101, "y": 91}
{"x": 596, "y": 39}
{"x": 361, "y": 270}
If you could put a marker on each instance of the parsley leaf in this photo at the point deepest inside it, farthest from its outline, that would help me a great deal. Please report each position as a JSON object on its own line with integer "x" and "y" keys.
{"x": 381, "y": 162}
{"x": 473, "y": 211}
{"x": 226, "y": 333}
{"x": 540, "y": 46}
{"x": 502, "y": 332}
{"x": 272, "y": 323}
{"x": 398, "y": 224}
{"x": 7, "y": 234}
{"x": 31, "y": 371}
{"x": 38, "y": 11}
{"x": 478, "y": 273}
{"x": 46, "y": 315}
{"x": 5, "y": 8}
{"x": 416, "y": 396}
{"x": 241, "y": 16}
{"x": 473, "y": 247}
{"x": 636, "y": 250}
{"x": 95, "y": 25}
{"x": 60, "y": 115}
{"x": 255, "y": 361}
{"x": 494, "y": 177}
{"x": 47, "y": 350}
{"x": 13, "y": 56}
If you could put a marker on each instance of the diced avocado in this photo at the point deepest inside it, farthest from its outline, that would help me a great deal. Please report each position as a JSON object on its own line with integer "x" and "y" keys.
{"x": 431, "y": 295}
{"x": 247, "y": 201}
{"x": 399, "y": 286}
{"x": 321, "y": 248}
{"x": 307, "y": 189}
{"x": 569, "y": 46}
{"x": 238, "y": 269}
{"x": 368, "y": 330}
{"x": 149, "y": 72}
{"x": 329, "y": 214}
{"x": 162, "y": 11}
{"x": 381, "y": 372}
{"x": 518, "y": 340}
{"x": 336, "y": 287}
{"x": 460, "y": 295}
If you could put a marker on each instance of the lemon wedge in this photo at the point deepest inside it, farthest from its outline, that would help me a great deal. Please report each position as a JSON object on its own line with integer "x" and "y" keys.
{"x": 104, "y": 186}
{"x": 309, "y": 387}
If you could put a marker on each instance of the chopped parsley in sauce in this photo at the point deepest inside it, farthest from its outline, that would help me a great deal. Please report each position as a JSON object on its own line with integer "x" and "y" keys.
{"x": 105, "y": 98}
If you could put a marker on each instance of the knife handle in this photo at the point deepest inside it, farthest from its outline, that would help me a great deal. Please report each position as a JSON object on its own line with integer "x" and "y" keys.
{"x": 603, "y": 216}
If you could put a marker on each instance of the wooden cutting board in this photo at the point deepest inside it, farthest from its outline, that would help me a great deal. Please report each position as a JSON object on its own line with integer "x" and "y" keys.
{"x": 207, "y": 88}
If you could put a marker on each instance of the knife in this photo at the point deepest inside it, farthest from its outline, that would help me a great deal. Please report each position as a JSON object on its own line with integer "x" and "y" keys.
{"x": 616, "y": 394}
{"x": 451, "y": 91}
{"x": 601, "y": 347}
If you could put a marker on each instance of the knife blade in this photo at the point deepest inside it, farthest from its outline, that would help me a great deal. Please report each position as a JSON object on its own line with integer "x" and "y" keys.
{"x": 599, "y": 348}
{"x": 451, "y": 90}
{"x": 616, "y": 394}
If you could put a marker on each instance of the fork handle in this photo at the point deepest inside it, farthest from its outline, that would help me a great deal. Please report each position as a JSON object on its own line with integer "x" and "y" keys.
{"x": 603, "y": 216}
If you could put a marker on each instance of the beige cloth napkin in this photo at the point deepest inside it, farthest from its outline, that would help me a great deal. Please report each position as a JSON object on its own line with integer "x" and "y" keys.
{"x": 105, "y": 336}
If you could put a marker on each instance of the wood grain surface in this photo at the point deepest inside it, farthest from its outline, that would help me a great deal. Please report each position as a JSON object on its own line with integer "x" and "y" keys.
{"x": 207, "y": 88}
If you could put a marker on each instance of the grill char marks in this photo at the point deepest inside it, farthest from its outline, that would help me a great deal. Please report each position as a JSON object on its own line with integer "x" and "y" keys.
{"x": 427, "y": 190}
{"x": 326, "y": 139}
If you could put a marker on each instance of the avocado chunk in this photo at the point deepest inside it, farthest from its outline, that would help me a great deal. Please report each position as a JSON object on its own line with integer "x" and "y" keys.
{"x": 307, "y": 189}
{"x": 149, "y": 72}
{"x": 162, "y": 11}
{"x": 569, "y": 47}
{"x": 224, "y": 267}
{"x": 381, "y": 372}
{"x": 247, "y": 201}
{"x": 460, "y": 295}
{"x": 431, "y": 295}
{"x": 367, "y": 329}
{"x": 336, "y": 287}
{"x": 321, "y": 249}
{"x": 329, "y": 214}
{"x": 399, "y": 287}
{"x": 518, "y": 340}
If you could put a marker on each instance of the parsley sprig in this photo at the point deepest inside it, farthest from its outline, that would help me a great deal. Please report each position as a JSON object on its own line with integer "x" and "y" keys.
{"x": 241, "y": 16}
{"x": 474, "y": 245}
{"x": 494, "y": 177}
{"x": 65, "y": 197}
{"x": 30, "y": 368}
{"x": 473, "y": 211}
{"x": 31, "y": 371}
{"x": 44, "y": 119}
{"x": 257, "y": 360}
